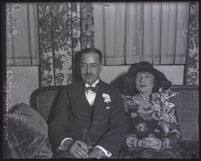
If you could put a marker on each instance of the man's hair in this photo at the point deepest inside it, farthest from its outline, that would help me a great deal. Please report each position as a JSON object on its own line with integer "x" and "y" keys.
{"x": 92, "y": 50}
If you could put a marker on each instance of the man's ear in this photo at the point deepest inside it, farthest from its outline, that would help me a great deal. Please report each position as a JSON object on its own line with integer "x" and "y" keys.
{"x": 101, "y": 68}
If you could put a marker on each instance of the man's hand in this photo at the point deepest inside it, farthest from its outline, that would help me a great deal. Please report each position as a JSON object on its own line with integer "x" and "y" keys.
{"x": 97, "y": 153}
{"x": 79, "y": 149}
{"x": 65, "y": 145}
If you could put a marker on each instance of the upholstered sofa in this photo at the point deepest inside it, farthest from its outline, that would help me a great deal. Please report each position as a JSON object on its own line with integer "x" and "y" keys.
{"x": 187, "y": 106}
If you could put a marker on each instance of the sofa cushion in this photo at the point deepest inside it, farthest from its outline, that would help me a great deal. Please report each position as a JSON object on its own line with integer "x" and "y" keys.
{"x": 27, "y": 133}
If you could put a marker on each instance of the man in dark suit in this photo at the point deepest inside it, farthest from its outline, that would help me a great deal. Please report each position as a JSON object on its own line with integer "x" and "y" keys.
{"x": 88, "y": 120}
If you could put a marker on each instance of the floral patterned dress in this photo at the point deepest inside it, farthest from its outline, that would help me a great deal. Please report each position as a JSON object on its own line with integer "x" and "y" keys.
{"x": 157, "y": 121}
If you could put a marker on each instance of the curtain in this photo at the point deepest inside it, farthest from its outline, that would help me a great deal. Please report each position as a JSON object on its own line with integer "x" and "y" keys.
{"x": 64, "y": 29}
{"x": 192, "y": 66}
{"x": 22, "y": 34}
{"x": 131, "y": 32}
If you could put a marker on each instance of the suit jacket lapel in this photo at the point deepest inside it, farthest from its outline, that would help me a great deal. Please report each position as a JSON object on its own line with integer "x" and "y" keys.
{"x": 98, "y": 98}
{"x": 99, "y": 104}
{"x": 76, "y": 94}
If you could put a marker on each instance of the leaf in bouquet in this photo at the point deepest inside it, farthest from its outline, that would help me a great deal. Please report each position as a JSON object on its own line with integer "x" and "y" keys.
{"x": 160, "y": 114}
{"x": 155, "y": 96}
{"x": 154, "y": 117}
{"x": 170, "y": 95}
{"x": 171, "y": 105}
{"x": 155, "y": 107}
{"x": 167, "y": 96}
{"x": 165, "y": 126}
{"x": 162, "y": 100}
{"x": 166, "y": 117}
{"x": 173, "y": 119}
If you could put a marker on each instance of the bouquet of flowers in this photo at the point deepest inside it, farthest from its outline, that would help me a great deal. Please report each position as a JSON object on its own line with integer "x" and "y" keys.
{"x": 163, "y": 109}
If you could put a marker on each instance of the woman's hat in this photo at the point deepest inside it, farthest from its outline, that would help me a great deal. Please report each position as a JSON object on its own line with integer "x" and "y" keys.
{"x": 148, "y": 67}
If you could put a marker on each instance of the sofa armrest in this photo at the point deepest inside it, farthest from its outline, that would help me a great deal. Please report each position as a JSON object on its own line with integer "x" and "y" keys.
{"x": 189, "y": 149}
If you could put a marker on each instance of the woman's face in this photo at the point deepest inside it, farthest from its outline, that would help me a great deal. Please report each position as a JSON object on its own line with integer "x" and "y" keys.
{"x": 144, "y": 82}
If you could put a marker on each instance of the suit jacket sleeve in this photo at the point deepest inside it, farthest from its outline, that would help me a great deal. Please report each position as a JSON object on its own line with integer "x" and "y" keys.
{"x": 59, "y": 119}
{"x": 114, "y": 138}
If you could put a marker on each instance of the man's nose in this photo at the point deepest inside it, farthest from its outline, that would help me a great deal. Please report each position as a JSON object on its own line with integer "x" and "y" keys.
{"x": 88, "y": 69}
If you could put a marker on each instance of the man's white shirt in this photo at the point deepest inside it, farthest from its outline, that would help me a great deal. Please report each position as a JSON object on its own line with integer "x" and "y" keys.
{"x": 91, "y": 95}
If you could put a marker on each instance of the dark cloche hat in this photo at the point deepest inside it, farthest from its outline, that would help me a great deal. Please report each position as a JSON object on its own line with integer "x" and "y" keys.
{"x": 148, "y": 67}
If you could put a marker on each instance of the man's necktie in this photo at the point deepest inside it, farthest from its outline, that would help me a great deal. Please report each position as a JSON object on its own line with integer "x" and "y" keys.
{"x": 94, "y": 89}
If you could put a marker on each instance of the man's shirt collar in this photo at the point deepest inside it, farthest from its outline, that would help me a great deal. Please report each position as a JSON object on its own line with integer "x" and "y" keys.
{"x": 94, "y": 84}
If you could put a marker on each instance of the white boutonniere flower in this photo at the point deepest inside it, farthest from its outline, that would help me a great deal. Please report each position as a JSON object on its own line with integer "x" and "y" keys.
{"x": 106, "y": 97}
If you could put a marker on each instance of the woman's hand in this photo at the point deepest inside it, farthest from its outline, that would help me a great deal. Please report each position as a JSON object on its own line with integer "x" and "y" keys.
{"x": 150, "y": 142}
{"x": 166, "y": 143}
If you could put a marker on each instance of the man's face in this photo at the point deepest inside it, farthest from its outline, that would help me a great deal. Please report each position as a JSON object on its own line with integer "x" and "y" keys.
{"x": 90, "y": 67}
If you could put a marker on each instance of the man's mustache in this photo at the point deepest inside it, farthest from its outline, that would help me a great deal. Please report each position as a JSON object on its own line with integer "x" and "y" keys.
{"x": 88, "y": 75}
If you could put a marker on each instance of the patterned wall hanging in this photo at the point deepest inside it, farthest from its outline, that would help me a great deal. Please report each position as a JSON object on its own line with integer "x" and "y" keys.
{"x": 64, "y": 28}
{"x": 192, "y": 67}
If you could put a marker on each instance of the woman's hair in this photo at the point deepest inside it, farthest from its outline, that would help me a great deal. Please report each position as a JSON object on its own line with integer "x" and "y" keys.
{"x": 126, "y": 83}
{"x": 131, "y": 79}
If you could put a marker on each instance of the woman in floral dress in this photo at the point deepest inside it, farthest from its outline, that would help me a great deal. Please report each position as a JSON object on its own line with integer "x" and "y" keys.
{"x": 154, "y": 129}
